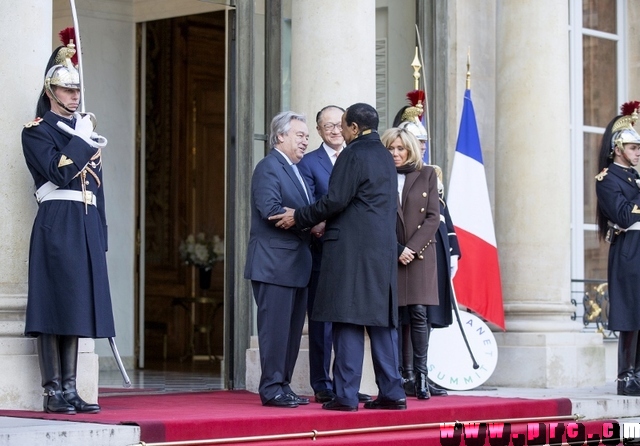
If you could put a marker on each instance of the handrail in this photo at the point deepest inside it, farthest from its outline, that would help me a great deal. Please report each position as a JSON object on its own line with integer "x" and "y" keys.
{"x": 314, "y": 434}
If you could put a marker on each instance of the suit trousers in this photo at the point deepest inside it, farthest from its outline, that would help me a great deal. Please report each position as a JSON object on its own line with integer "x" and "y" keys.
{"x": 281, "y": 313}
{"x": 348, "y": 343}
{"x": 320, "y": 341}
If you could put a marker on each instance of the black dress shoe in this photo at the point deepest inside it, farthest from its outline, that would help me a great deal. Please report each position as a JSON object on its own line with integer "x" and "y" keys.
{"x": 282, "y": 400}
{"x": 382, "y": 403}
{"x": 324, "y": 396}
{"x": 301, "y": 400}
{"x": 364, "y": 398}
{"x": 628, "y": 386}
{"x": 335, "y": 405}
{"x": 437, "y": 390}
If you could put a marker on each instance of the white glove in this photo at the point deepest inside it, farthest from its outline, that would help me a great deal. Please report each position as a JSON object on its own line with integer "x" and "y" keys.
{"x": 84, "y": 126}
{"x": 84, "y": 130}
{"x": 454, "y": 265}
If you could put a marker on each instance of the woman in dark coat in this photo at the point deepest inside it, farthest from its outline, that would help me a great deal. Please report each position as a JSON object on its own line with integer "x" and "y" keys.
{"x": 68, "y": 295}
{"x": 418, "y": 219}
{"x": 618, "y": 218}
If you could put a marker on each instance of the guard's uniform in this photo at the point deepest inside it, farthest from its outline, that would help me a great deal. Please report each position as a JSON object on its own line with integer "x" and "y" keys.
{"x": 68, "y": 285}
{"x": 618, "y": 193}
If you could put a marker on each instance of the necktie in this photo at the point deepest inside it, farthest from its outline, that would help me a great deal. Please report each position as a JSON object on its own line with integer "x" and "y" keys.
{"x": 297, "y": 172}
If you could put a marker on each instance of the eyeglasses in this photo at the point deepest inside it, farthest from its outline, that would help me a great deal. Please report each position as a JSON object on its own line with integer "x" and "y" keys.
{"x": 330, "y": 126}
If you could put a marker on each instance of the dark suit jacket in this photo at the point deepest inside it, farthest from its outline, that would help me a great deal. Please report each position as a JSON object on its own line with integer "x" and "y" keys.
{"x": 276, "y": 256}
{"x": 358, "y": 276}
{"x": 316, "y": 169}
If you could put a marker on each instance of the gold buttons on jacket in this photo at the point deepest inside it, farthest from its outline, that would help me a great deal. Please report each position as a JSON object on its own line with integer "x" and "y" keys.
{"x": 424, "y": 194}
{"x": 419, "y": 226}
{"x": 422, "y": 210}
{"x": 421, "y": 257}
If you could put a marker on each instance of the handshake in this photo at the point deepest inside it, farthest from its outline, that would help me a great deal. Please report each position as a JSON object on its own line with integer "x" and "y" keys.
{"x": 84, "y": 130}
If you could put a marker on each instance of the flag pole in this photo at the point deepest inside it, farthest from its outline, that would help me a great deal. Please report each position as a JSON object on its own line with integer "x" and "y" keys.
{"x": 469, "y": 69}
{"x": 426, "y": 94}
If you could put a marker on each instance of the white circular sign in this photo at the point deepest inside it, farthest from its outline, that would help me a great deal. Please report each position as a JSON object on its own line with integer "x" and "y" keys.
{"x": 450, "y": 364}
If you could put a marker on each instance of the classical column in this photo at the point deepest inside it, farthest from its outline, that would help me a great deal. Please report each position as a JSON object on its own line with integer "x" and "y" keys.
{"x": 27, "y": 52}
{"x": 333, "y": 58}
{"x": 542, "y": 347}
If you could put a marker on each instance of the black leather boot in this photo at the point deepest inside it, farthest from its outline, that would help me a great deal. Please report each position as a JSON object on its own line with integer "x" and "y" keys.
{"x": 420, "y": 341}
{"x": 69, "y": 363}
{"x": 627, "y": 356}
{"x": 408, "y": 378}
{"x": 49, "y": 359}
{"x": 436, "y": 390}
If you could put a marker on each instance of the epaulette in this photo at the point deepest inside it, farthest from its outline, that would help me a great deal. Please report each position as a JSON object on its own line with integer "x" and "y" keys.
{"x": 602, "y": 174}
{"x": 33, "y": 123}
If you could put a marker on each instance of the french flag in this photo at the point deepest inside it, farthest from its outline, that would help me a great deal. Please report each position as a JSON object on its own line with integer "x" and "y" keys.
{"x": 477, "y": 282}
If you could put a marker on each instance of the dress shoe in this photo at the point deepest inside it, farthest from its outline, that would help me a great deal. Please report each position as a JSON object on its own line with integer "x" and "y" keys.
{"x": 437, "y": 390}
{"x": 324, "y": 396}
{"x": 364, "y": 398}
{"x": 335, "y": 405}
{"x": 382, "y": 403}
{"x": 301, "y": 400}
{"x": 628, "y": 386}
{"x": 282, "y": 400}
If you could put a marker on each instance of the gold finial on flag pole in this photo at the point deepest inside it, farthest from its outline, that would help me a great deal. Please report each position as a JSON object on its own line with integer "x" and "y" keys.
{"x": 469, "y": 69}
{"x": 416, "y": 71}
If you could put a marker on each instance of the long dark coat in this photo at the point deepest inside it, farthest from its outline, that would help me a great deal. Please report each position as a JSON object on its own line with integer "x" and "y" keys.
{"x": 68, "y": 284}
{"x": 440, "y": 316}
{"x": 417, "y": 224}
{"x": 619, "y": 200}
{"x": 358, "y": 276}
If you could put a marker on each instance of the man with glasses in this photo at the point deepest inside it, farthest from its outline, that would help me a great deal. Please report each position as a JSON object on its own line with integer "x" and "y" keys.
{"x": 316, "y": 169}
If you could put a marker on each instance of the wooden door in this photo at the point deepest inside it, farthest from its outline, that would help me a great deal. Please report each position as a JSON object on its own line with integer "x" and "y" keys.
{"x": 185, "y": 159}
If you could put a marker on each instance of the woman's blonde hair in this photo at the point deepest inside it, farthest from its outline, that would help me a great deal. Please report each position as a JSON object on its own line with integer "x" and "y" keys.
{"x": 409, "y": 142}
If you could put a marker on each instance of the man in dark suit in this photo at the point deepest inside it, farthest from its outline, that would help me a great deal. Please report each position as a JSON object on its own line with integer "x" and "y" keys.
{"x": 279, "y": 262}
{"x": 358, "y": 276}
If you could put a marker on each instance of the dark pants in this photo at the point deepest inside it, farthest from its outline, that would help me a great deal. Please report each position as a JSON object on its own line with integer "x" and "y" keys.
{"x": 319, "y": 344}
{"x": 281, "y": 312}
{"x": 348, "y": 343}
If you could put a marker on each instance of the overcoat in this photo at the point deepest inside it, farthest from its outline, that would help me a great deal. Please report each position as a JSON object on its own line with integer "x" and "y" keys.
{"x": 619, "y": 200}
{"x": 358, "y": 276}
{"x": 274, "y": 255}
{"x": 417, "y": 223}
{"x": 68, "y": 283}
{"x": 440, "y": 316}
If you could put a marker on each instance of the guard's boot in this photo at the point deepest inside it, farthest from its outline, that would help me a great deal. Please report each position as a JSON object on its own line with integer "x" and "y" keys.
{"x": 69, "y": 363}
{"x": 408, "y": 378}
{"x": 627, "y": 348}
{"x": 420, "y": 341}
{"x": 49, "y": 359}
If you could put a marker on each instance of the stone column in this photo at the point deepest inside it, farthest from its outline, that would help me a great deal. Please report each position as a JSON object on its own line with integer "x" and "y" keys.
{"x": 27, "y": 53}
{"x": 333, "y": 58}
{"x": 542, "y": 347}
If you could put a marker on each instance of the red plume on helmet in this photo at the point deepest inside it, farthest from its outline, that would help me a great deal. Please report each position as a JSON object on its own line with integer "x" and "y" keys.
{"x": 415, "y": 97}
{"x": 629, "y": 107}
{"x": 66, "y": 35}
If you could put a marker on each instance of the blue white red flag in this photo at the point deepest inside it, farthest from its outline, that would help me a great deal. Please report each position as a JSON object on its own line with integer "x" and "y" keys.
{"x": 477, "y": 282}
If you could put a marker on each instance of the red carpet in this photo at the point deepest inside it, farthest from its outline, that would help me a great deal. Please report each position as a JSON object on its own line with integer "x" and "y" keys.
{"x": 224, "y": 414}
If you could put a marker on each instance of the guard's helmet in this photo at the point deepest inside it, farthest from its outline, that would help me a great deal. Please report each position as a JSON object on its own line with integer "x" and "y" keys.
{"x": 63, "y": 73}
{"x": 622, "y": 131}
